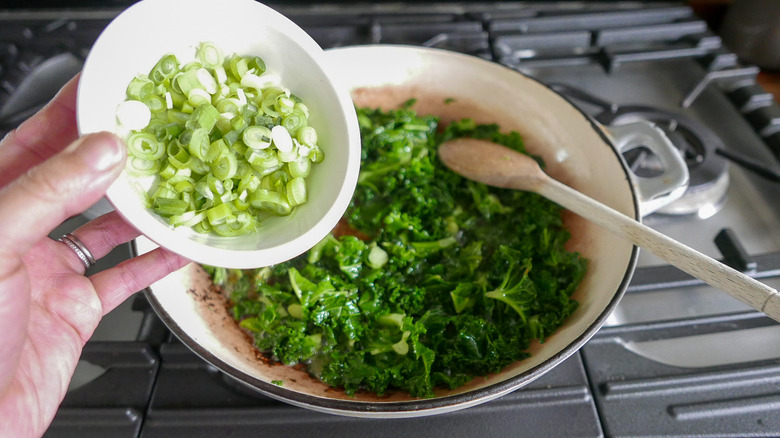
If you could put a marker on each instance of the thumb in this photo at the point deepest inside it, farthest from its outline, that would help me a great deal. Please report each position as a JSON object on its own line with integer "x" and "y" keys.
{"x": 65, "y": 185}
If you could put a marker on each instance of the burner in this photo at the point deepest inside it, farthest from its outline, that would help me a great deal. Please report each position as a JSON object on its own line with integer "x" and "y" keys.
{"x": 709, "y": 178}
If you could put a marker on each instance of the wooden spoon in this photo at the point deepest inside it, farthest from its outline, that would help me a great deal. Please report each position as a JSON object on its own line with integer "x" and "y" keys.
{"x": 500, "y": 166}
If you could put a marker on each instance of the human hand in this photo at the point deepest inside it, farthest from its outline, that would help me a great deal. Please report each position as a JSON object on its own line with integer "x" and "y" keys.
{"x": 48, "y": 308}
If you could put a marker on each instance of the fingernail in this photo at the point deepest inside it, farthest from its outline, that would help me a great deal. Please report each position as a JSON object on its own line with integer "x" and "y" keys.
{"x": 101, "y": 151}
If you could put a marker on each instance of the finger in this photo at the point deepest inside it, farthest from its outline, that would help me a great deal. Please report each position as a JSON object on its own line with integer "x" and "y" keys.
{"x": 103, "y": 234}
{"x": 100, "y": 236}
{"x": 38, "y": 201}
{"x": 115, "y": 285}
{"x": 41, "y": 136}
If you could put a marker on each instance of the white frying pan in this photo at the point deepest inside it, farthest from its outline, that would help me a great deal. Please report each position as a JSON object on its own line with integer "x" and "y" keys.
{"x": 577, "y": 151}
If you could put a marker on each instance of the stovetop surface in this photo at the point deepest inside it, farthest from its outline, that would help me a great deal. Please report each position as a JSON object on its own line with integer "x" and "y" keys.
{"x": 677, "y": 358}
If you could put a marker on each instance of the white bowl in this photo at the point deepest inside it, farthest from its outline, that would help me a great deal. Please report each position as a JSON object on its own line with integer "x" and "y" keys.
{"x": 136, "y": 39}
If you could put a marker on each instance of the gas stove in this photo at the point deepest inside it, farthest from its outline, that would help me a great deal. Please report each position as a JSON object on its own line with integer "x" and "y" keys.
{"x": 676, "y": 358}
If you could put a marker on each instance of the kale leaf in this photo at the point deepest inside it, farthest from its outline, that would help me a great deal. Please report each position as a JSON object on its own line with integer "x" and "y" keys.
{"x": 454, "y": 280}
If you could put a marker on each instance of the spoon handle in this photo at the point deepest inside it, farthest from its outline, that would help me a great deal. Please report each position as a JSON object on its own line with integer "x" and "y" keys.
{"x": 740, "y": 286}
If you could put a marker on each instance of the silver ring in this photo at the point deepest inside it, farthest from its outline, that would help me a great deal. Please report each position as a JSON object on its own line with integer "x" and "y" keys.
{"x": 79, "y": 248}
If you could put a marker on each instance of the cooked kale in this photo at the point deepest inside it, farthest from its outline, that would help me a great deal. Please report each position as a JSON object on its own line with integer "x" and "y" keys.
{"x": 452, "y": 279}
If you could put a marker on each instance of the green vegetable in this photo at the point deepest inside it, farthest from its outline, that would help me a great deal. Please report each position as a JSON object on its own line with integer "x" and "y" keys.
{"x": 226, "y": 146}
{"x": 454, "y": 281}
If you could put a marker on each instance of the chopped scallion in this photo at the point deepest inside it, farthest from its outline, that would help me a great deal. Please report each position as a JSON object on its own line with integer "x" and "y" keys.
{"x": 281, "y": 138}
{"x": 210, "y": 55}
{"x": 257, "y": 137}
{"x": 165, "y": 69}
{"x": 296, "y": 191}
{"x": 133, "y": 115}
{"x": 140, "y": 87}
{"x": 228, "y": 145}
{"x": 145, "y": 145}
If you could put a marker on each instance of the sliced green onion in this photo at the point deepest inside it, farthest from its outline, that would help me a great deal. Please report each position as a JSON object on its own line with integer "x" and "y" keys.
{"x": 274, "y": 202}
{"x": 179, "y": 117}
{"x": 225, "y": 167}
{"x": 249, "y": 183}
{"x": 177, "y": 163}
{"x": 202, "y": 188}
{"x": 268, "y": 107}
{"x": 251, "y": 80}
{"x": 169, "y": 207}
{"x": 257, "y": 137}
{"x": 204, "y": 117}
{"x": 284, "y": 105}
{"x": 238, "y": 66}
{"x": 221, "y": 75}
{"x": 197, "y": 97}
{"x": 300, "y": 106}
{"x": 227, "y": 145}
{"x": 187, "y": 216}
{"x": 377, "y": 257}
{"x": 145, "y": 145}
{"x": 215, "y": 185}
{"x": 300, "y": 167}
{"x": 257, "y": 64}
{"x": 165, "y": 69}
{"x": 241, "y": 203}
{"x": 168, "y": 171}
{"x": 290, "y": 155}
{"x": 232, "y": 136}
{"x": 210, "y": 55}
{"x": 220, "y": 214}
{"x": 217, "y": 148}
{"x": 281, "y": 138}
{"x": 264, "y": 161}
{"x": 239, "y": 123}
{"x": 184, "y": 186}
{"x": 249, "y": 111}
{"x": 198, "y": 166}
{"x": 229, "y": 105}
{"x": 197, "y": 141}
{"x": 294, "y": 121}
{"x": 176, "y": 151}
{"x": 140, "y": 87}
{"x": 188, "y": 81}
{"x": 133, "y": 115}
{"x": 202, "y": 227}
{"x": 207, "y": 81}
{"x": 164, "y": 190}
{"x": 168, "y": 131}
{"x": 275, "y": 181}
{"x": 307, "y": 136}
{"x": 240, "y": 148}
{"x": 242, "y": 224}
{"x": 296, "y": 191}
{"x": 141, "y": 166}
{"x": 155, "y": 103}
{"x": 316, "y": 155}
